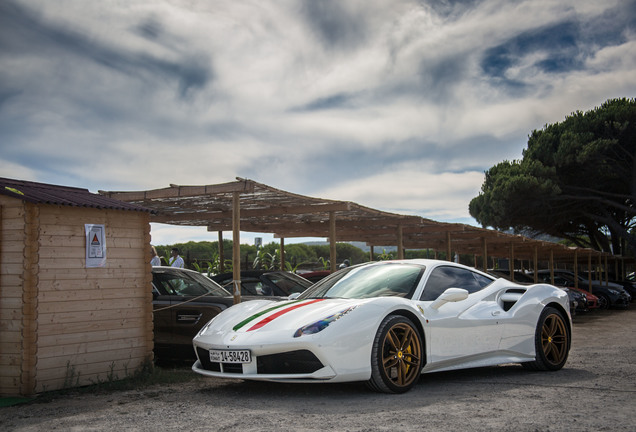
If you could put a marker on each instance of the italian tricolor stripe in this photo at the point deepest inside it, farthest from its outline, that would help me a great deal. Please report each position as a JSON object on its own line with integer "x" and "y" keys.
{"x": 294, "y": 305}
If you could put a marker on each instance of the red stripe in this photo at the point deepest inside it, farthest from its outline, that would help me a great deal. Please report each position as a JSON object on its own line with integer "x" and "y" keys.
{"x": 279, "y": 313}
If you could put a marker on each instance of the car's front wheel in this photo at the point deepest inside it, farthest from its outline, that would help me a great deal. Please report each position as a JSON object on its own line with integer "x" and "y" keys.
{"x": 552, "y": 341}
{"x": 396, "y": 358}
{"x": 603, "y": 302}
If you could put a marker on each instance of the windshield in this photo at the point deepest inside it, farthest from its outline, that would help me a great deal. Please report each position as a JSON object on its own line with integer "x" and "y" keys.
{"x": 186, "y": 284}
{"x": 367, "y": 281}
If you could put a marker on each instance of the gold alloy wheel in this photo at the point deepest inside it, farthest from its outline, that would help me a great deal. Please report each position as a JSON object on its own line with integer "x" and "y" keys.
{"x": 554, "y": 339}
{"x": 401, "y": 355}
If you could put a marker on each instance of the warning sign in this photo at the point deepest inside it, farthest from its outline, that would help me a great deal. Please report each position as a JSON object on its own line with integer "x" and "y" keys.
{"x": 95, "y": 245}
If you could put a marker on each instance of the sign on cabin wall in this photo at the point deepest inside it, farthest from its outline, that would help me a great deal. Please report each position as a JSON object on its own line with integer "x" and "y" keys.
{"x": 95, "y": 245}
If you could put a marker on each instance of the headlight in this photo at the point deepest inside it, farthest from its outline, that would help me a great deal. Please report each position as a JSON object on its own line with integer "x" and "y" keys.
{"x": 205, "y": 327}
{"x": 322, "y": 324}
{"x": 614, "y": 291}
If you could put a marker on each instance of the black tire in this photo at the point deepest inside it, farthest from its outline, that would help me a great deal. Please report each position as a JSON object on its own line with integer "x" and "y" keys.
{"x": 552, "y": 341}
{"x": 396, "y": 357}
{"x": 603, "y": 302}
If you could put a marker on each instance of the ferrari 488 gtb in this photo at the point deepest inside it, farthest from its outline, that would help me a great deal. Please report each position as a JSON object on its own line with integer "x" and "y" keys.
{"x": 386, "y": 323}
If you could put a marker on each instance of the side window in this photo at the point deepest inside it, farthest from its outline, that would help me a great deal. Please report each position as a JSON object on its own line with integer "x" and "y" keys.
{"x": 482, "y": 281}
{"x": 165, "y": 284}
{"x": 443, "y": 278}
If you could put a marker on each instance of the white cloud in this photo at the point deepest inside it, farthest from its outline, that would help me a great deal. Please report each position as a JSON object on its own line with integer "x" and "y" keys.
{"x": 388, "y": 104}
{"x": 413, "y": 189}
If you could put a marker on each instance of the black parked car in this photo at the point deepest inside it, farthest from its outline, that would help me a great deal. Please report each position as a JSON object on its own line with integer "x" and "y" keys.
{"x": 578, "y": 300}
{"x": 628, "y": 286}
{"x": 183, "y": 302}
{"x": 265, "y": 283}
{"x": 609, "y": 296}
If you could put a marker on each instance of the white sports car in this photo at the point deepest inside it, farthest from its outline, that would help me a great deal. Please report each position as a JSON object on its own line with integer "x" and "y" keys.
{"x": 386, "y": 323}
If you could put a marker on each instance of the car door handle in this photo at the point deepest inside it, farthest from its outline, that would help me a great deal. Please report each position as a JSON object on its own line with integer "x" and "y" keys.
{"x": 188, "y": 318}
{"x": 495, "y": 313}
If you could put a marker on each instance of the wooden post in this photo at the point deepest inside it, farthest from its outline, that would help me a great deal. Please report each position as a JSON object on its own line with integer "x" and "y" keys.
{"x": 371, "y": 253}
{"x": 221, "y": 254}
{"x": 576, "y": 269}
{"x": 282, "y": 253}
{"x": 511, "y": 262}
{"x": 552, "y": 266}
{"x": 332, "y": 241}
{"x": 484, "y": 245}
{"x": 236, "y": 246}
{"x": 449, "y": 257}
{"x": 589, "y": 272}
{"x": 400, "y": 241}
{"x": 535, "y": 264}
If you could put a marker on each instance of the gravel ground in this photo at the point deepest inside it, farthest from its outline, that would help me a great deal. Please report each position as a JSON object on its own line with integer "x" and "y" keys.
{"x": 596, "y": 391}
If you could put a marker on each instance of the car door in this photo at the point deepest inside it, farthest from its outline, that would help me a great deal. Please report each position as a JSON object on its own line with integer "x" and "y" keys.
{"x": 181, "y": 309}
{"x": 460, "y": 329}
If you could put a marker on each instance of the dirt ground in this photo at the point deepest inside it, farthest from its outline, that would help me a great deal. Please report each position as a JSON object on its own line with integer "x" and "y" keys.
{"x": 596, "y": 391}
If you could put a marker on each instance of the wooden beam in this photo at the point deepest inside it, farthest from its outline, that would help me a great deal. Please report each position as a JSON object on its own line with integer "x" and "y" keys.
{"x": 223, "y": 216}
{"x": 175, "y": 191}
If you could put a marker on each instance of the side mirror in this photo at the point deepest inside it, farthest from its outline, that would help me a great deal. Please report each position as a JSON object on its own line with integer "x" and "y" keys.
{"x": 293, "y": 296}
{"x": 450, "y": 295}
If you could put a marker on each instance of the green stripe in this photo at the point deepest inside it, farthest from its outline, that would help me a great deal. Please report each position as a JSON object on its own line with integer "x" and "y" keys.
{"x": 253, "y": 317}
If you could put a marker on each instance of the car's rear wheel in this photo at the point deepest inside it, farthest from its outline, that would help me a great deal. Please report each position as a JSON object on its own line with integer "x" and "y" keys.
{"x": 396, "y": 358}
{"x": 552, "y": 341}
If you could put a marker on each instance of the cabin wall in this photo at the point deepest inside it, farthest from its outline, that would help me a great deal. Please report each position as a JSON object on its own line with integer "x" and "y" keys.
{"x": 94, "y": 324}
{"x": 64, "y": 324}
{"x": 12, "y": 250}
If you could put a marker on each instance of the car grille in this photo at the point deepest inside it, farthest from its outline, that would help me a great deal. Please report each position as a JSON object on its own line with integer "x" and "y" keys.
{"x": 204, "y": 357}
{"x": 292, "y": 362}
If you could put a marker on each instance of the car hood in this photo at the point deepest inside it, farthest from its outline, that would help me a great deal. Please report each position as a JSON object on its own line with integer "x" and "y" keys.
{"x": 263, "y": 316}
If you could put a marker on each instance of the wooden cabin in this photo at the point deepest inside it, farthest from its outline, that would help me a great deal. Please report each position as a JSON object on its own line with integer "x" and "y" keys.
{"x": 75, "y": 288}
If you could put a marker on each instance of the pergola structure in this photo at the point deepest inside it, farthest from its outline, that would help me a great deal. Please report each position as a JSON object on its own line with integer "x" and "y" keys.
{"x": 246, "y": 205}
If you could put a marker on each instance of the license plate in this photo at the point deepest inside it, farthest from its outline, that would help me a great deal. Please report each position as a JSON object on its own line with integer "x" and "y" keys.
{"x": 230, "y": 356}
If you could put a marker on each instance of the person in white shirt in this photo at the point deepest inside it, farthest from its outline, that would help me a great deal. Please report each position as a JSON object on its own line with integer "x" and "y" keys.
{"x": 155, "y": 260}
{"x": 176, "y": 260}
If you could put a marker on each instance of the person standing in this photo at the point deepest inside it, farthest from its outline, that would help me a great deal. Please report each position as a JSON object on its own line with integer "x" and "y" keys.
{"x": 154, "y": 260}
{"x": 175, "y": 259}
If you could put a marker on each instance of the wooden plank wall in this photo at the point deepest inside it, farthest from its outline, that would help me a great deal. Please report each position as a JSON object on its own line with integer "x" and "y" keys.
{"x": 94, "y": 324}
{"x": 12, "y": 245}
{"x": 62, "y": 324}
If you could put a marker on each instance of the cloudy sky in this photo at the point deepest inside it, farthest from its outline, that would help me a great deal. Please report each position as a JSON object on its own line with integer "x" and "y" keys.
{"x": 399, "y": 105}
